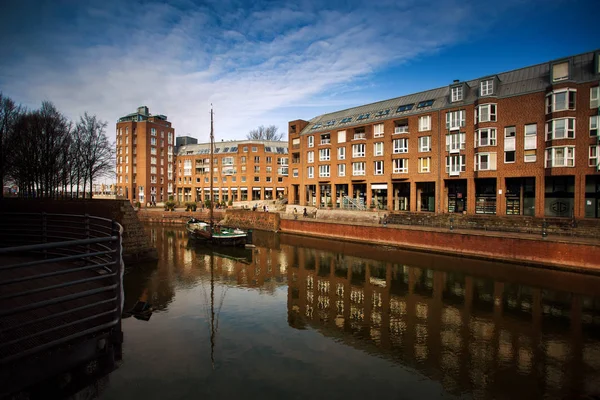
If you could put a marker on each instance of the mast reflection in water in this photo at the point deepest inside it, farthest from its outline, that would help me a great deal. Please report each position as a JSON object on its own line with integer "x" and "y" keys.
{"x": 324, "y": 319}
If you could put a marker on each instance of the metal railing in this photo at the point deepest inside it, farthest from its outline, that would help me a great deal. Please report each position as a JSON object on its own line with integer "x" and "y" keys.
{"x": 61, "y": 279}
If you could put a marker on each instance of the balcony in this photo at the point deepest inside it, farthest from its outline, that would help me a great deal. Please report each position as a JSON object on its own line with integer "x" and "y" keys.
{"x": 401, "y": 129}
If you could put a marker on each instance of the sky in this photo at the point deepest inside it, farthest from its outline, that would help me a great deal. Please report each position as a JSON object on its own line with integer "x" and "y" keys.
{"x": 268, "y": 62}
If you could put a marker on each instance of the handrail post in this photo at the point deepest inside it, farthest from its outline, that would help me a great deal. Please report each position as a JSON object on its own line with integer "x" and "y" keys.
{"x": 45, "y": 231}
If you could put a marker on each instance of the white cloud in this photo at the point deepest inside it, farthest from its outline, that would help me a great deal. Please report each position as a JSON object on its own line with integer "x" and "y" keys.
{"x": 250, "y": 63}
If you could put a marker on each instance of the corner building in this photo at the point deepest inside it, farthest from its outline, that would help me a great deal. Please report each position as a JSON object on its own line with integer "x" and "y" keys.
{"x": 523, "y": 142}
{"x": 145, "y": 157}
{"x": 243, "y": 170}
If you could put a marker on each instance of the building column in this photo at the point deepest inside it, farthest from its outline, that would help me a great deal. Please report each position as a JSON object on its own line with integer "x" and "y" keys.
{"x": 471, "y": 195}
{"x": 415, "y": 198}
{"x": 500, "y": 196}
{"x": 540, "y": 191}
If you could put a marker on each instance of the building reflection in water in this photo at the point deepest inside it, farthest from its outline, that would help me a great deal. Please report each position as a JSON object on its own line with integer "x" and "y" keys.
{"x": 489, "y": 331}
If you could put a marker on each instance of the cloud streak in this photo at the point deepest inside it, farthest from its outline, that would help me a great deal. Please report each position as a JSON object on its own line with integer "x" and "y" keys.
{"x": 254, "y": 61}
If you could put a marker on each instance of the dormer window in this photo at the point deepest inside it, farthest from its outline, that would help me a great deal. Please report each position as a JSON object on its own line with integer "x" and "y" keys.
{"x": 456, "y": 93}
{"x": 486, "y": 87}
{"x": 560, "y": 71}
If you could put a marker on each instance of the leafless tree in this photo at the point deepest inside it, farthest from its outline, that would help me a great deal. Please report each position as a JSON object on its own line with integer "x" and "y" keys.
{"x": 265, "y": 133}
{"x": 96, "y": 152}
{"x": 9, "y": 113}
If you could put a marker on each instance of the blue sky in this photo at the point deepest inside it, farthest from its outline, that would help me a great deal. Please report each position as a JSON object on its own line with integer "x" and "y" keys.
{"x": 268, "y": 62}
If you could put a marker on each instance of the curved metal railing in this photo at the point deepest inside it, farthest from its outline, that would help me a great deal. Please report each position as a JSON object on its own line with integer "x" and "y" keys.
{"x": 61, "y": 280}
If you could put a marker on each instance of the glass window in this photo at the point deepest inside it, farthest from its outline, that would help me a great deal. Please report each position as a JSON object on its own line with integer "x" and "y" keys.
{"x": 424, "y": 144}
{"x": 378, "y": 148}
{"x": 341, "y": 153}
{"x": 425, "y": 123}
{"x": 486, "y": 87}
{"x": 378, "y": 168}
{"x": 400, "y": 146}
{"x": 457, "y": 93}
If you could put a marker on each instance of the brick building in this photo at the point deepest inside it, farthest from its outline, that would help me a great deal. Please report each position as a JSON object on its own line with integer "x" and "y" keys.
{"x": 523, "y": 142}
{"x": 145, "y": 157}
{"x": 243, "y": 170}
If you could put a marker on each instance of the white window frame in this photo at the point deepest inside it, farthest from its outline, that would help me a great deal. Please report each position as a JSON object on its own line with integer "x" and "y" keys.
{"x": 358, "y": 150}
{"x": 510, "y": 143}
{"x": 594, "y": 122}
{"x": 553, "y": 106}
{"x": 530, "y": 138}
{"x": 595, "y": 97}
{"x": 424, "y": 164}
{"x": 593, "y": 156}
{"x": 187, "y": 168}
{"x": 491, "y": 139}
{"x": 324, "y": 171}
{"x": 490, "y": 115}
{"x": 486, "y": 87}
{"x": 560, "y": 71}
{"x": 401, "y": 129}
{"x": 341, "y": 169}
{"x": 378, "y": 167}
{"x": 310, "y": 157}
{"x": 455, "y": 164}
{"x": 311, "y": 141}
{"x": 341, "y": 137}
{"x": 295, "y": 173}
{"x": 488, "y": 165}
{"x": 358, "y": 168}
{"x": 341, "y": 153}
{"x": 456, "y": 142}
{"x": 456, "y": 93}
{"x": 552, "y": 159}
{"x": 400, "y": 165}
{"x": 310, "y": 172}
{"x": 424, "y": 144}
{"x": 569, "y": 128}
{"x": 400, "y": 146}
{"x": 325, "y": 138}
{"x": 378, "y": 130}
{"x": 455, "y": 120}
{"x": 324, "y": 154}
{"x": 378, "y": 149}
{"x": 424, "y": 123}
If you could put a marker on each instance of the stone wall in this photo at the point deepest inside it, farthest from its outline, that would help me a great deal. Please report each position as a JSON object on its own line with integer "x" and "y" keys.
{"x": 248, "y": 219}
{"x": 559, "y": 253}
{"x": 136, "y": 244}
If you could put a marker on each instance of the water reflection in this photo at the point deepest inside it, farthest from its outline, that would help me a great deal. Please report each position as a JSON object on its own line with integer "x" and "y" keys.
{"x": 484, "y": 329}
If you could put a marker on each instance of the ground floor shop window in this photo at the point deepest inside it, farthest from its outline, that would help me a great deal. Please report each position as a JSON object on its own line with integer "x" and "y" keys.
{"x": 311, "y": 195}
{"x": 485, "y": 196}
{"x": 457, "y": 195}
{"x": 325, "y": 200}
{"x": 426, "y": 194}
{"x": 559, "y": 195}
{"x": 341, "y": 191}
{"x": 520, "y": 196}
{"x": 402, "y": 196}
{"x": 379, "y": 198}
{"x": 244, "y": 195}
{"x": 592, "y": 196}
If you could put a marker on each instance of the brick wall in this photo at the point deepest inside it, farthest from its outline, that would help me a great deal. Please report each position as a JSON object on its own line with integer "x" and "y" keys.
{"x": 248, "y": 219}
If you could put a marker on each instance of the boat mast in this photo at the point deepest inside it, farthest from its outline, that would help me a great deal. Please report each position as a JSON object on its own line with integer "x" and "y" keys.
{"x": 211, "y": 196}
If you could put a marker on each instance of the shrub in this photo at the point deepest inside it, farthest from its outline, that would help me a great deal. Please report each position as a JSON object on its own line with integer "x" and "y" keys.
{"x": 138, "y": 204}
{"x": 190, "y": 206}
{"x": 169, "y": 205}
{"x": 230, "y": 202}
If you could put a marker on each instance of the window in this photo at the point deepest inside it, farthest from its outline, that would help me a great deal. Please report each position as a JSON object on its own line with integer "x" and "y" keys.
{"x": 563, "y": 128}
{"x": 311, "y": 141}
{"x": 363, "y": 116}
{"x": 530, "y": 142}
{"x": 424, "y": 164}
{"x": 153, "y": 150}
{"x": 257, "y": 179}
{"x": 153, "y": 160}
{"x": 325, "y": 138}
{"x": 153, "y": 131}
{"x": 359, "y": 133}
{"x": 310, "y": 157}
{"x": 341, "y": 153}
{"x": 310, "y": 172}
{"x": 560, "y": 156}
{"x": 257, "y": 169}
{"x": 341, "y": 169}
{"x": 245, "y": 149}
{"x": 455, "y": 165}
{"x": 358, "y": 150}
{"x": 187, "y": 168}
{"x": 269, "y": 160}
{"x": 510, "y": 133}
{"x": 485, "y": 162}
{"x": 485, "y": 113}
{"x": 594, "y": 97}
{"x": 455, "y": 142}
{"x": 324, "y": 171}
{"x": 456, "y": 93}
{"x": 455, "y": 120}
{"x": 378, "y": 148}
{"x": 594, "y": 119}
{"x": 243, "y": 160}
{"x": 378, "y": 130}
{"x": 358, "y": 168}
{"x": 254, "y": 149}
{"x": 486, "y": 87}
{"x": 341, "y": 137}
{"x": 560, "y": 71}
{"x": 153, "y": 141}
{"x": 485, "y": 137}
{"x": 401, "y": 127}
{"x": 425, "y": 123}
{"x": 406, "y": 107}
{"x": 170, "y": 138}
{"x": 256, "y": 159}
{"x": 400, "y": 166}
{"x": 593, "y": 159}
{"x": 560, "y": 100}
{"x": 424, "y": 144}
{"x": 426, "y": 103}
{"x": 324, "y": 155}
{"x": 295, "y": 172}
{"x": 378, "y": 168}
{"x": 400, "y": 146}
{"x": 345, "y": 120}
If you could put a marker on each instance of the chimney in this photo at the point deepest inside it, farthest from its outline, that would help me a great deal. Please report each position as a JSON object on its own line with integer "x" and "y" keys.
{"x": 456, "y": 81}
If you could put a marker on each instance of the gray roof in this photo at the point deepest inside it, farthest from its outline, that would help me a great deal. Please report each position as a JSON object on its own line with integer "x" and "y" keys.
{"x": 232, "y": 147}
{"x": 530, "y": 79}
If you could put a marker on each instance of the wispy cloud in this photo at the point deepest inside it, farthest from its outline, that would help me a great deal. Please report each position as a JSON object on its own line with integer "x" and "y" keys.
{"x": 252, "y": 60}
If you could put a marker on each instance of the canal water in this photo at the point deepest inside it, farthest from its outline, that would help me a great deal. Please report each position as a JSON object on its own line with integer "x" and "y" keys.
{"x": 299, "y": 317}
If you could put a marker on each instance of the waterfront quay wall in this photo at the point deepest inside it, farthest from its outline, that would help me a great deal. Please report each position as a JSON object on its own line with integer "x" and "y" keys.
{"x": 557, "y": 252}
{"x": 136, "y": 243}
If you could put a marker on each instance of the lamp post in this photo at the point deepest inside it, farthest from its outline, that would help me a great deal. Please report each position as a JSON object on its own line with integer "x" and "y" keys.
{"x": 451, "y": 223}
{"x": 544, "y": 229}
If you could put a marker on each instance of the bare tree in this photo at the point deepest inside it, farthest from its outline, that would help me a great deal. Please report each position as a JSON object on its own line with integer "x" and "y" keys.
{"x": 9, "y": 113}
{"x": 265, "y": 133}
{"x": 96, "y": 152}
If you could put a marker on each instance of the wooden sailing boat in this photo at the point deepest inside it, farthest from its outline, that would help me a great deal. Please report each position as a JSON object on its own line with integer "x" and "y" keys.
{"x": 208, "y": 231}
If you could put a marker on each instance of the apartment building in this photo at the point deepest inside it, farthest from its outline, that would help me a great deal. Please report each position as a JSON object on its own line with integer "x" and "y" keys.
{"x": 145, "y": 157}
{"x": 243, "y": 170}
{"x": 523, "y": 142}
